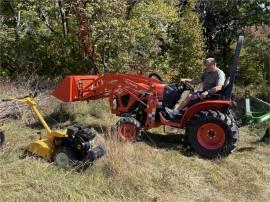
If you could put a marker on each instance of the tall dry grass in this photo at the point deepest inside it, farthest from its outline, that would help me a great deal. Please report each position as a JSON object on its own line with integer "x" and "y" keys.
{"x": 129, "y": 171}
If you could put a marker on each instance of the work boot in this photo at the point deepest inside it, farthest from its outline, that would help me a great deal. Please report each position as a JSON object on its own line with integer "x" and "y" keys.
{"x": 139, "y": 137}
{"x": 173, "y": 113}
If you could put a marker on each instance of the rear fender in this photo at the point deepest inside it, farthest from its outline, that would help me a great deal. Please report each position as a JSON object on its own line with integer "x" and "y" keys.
{"x": 204, "y": 105}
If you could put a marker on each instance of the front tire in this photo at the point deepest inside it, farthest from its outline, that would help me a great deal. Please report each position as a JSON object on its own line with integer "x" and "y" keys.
{"x": 212, "y": 134}
{"x": 128, "y": 129}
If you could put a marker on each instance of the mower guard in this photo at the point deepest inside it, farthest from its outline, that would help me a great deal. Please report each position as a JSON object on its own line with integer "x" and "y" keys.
{"x": 43, "y": 148}
{"x": 204, "y": 105}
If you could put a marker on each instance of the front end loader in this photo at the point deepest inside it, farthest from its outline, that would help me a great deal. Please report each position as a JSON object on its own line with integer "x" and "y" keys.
{"x": 140, "y": 103}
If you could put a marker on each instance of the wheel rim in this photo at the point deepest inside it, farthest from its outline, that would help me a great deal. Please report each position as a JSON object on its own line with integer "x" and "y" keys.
{"x": 127, "y": 132}
{"x": 62, "y": 160}
{"x": 211, "y": 136}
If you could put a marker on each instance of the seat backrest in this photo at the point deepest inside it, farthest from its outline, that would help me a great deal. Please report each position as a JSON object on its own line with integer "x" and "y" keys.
{"x": 171, "y": 96}
{"x": 226, "y": 83}
{"x": 224, "y": 87}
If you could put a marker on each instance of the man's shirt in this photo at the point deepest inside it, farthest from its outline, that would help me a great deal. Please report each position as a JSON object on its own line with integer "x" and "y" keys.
{"x": 212, "y": 79}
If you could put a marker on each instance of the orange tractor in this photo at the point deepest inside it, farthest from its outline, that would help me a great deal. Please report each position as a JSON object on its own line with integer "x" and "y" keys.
{"x": 140, "y": 103}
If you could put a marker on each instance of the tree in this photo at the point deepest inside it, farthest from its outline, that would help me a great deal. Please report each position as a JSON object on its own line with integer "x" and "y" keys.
{"x": 89, "y": 50}
{"x": 74, "y": 36}
{"x": 186, "y": 44}
{"x": 35, "y": 43}
{"x": 255, "y": 59}
{"x": 223, "y": 21}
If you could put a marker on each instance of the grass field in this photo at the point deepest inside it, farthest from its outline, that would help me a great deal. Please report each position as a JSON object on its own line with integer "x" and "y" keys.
{"x": 156, "y": 170}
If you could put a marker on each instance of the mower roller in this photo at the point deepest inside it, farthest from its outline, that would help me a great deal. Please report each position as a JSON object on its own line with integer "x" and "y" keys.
{"x": 140, "y": 103}
{"x": 70, "y": 147}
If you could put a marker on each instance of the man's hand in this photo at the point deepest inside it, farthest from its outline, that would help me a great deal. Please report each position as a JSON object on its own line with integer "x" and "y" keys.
{"x": 186, "y": 80}
{"x": 203, "y": 95}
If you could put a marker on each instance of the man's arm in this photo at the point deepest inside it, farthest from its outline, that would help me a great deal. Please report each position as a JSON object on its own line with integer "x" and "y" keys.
{"x": 193, "y": 81}
{"x": 196, "y": 80}
{"x": 211, "y": 91}
{"x": 219, "y": 84}
{"x": 186, "y": 80}
{"x": 218, "y": 87}
{"x": 215, "y": 89}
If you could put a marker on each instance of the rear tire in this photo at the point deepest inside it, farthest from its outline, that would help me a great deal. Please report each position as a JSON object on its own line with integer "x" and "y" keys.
{"x": 212, "y": 134}
{"x": 65, "y": 157}
{"x": 266, "y": 137}
{"x": 128, "y": 129}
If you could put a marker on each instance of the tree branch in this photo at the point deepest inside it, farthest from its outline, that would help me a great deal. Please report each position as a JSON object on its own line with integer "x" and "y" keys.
{"x": 42, "y": 15}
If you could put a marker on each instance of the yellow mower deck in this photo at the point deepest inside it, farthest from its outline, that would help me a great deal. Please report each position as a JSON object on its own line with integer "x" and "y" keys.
{"x": 43, "y": 148}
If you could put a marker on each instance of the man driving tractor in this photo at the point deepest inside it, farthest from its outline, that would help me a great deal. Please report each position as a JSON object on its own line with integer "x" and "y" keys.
{"x": 212, "y": 79}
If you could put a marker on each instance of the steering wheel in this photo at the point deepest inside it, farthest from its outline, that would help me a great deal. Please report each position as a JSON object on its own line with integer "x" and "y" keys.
{"x": 186, "y": 86}
{"x": 156, "y": 76}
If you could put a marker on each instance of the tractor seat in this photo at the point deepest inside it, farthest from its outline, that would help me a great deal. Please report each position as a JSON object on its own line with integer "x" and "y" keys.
{"x": 171, "y": 96}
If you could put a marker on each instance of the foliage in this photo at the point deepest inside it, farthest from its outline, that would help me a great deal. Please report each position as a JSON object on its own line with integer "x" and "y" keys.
{"x": 186, "y": 44}
{"x": 224, "y": 21}
{"x": 156, "y": 34}
{"x": 32, "y": 42}
{"x": 166, "y": 36}
{"x": 255, "y": 61}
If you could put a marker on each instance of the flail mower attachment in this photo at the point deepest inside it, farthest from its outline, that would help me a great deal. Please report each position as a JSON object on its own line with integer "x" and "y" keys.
{"x": 262, "y": 113}
{"x": 77, "y": 149}
{"x": 257, "y": 111}
{"x": 71, "y": 147}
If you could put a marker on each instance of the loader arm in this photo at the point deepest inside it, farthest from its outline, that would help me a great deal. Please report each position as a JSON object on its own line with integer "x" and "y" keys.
{"x": 80, "y": 88}
{"x": 123, "y": 90}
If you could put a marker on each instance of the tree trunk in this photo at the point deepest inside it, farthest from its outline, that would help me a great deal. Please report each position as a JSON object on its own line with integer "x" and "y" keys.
{"x": 18, "y": 22}
{"x": 63, "y": 18}
{"x": 88, "y": 51}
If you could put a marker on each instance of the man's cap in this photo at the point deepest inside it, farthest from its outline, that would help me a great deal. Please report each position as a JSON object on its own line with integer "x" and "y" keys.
{"x": 210, "y": 61}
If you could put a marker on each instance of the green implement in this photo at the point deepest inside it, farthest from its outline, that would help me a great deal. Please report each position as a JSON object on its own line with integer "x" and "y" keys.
{"x": 259, "y": 116}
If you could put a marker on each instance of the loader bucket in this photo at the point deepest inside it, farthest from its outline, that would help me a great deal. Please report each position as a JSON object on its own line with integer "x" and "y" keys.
{"x": 68, "y": 90}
